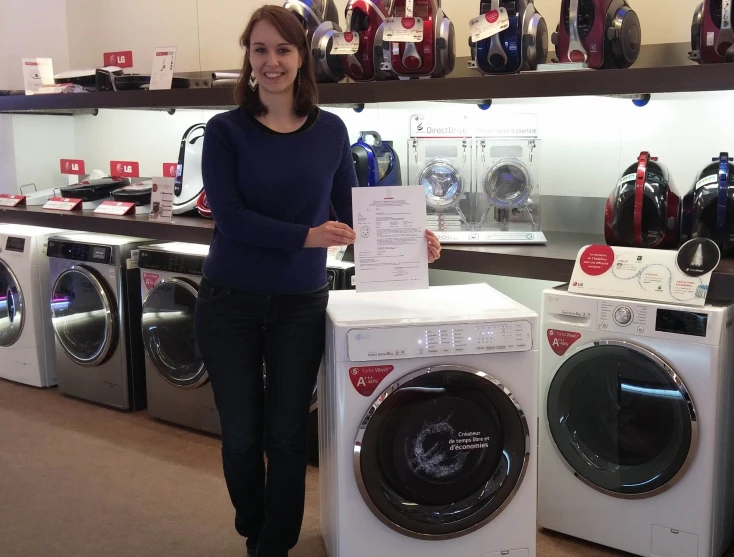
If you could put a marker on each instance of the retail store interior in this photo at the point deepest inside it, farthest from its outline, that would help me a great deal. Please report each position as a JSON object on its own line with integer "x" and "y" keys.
{"x": 563, "y": 388}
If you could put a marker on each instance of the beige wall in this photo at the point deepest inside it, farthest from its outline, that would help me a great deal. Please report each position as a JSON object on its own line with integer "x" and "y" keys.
{"x": 206, "y": 31}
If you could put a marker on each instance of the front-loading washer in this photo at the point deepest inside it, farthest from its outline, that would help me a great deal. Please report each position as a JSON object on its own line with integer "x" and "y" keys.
{"x": 26, "y": 335}
{"x": 179, "y": 390}
{"x": 95, "y": 313}
{"x": 635, "y": 446}
{"x": 428, "y": 424}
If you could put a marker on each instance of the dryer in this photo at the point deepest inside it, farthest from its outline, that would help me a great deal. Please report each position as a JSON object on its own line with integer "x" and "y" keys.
{"x": 428, "y": 424}
{"x": 26, "y": 335}
{"x": 635, "y": 445}
{"x": 95, "y": 312}
{"x": 178, "y": 383}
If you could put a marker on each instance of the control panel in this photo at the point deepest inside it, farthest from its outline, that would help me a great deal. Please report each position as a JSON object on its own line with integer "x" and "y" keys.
{"x": 80, "y": 252}
{"x": 185, "y": 264}
{"x": 504, "y": 237}
{"x": 639, "y": 319}
{"x": 398, "y": 343}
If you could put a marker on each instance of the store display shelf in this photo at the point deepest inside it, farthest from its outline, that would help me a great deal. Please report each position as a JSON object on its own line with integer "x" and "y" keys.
{"x": 552, "y": 262}
{"x": 643, "y": 80}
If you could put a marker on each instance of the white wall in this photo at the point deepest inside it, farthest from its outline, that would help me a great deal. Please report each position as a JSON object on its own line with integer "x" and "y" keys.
{"x": 39, "y": 144}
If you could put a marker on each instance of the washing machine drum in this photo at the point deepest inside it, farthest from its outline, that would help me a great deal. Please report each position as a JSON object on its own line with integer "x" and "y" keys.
{"x": 12, "y": 306}
{"x": 442, "y": 183}
{"x": 708, "y": 208}
{"x": 441, "y": 452}
{"x": 622, "y": 419}
{"x": 508, "y": 183}
{"x": 642, "y": 210}
{"x": 168, "y": 333}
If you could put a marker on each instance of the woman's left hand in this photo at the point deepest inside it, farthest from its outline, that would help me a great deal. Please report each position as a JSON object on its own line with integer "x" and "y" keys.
{"x": 434, "y": 247}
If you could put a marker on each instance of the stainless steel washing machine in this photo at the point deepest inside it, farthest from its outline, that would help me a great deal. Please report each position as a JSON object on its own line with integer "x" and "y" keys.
{"x": 178, "y": 383}
{"x": 95, "y": 312}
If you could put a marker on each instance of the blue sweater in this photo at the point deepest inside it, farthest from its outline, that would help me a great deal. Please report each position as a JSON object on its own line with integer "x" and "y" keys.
{"x": 265, "y": 191}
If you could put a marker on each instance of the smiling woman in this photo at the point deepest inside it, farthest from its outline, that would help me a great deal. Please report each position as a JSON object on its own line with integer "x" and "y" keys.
{"x": 277, "y": 59}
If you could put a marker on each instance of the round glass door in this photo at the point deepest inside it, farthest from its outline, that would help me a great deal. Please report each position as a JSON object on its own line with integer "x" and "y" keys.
{"x": 441, "y": 452}
{"x": 12, "y": 306}
{"x": 168, "y": 333}
{"x": 83, "y": 316}
{"x": 622, "y": 419}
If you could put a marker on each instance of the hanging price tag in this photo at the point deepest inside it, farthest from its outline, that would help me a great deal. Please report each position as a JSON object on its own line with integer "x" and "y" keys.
{"x": 115, "y": 208}
{"x": 11, "y": 200}
{"x": 121, "y": 59}
{"x": 404, "y": 29}
{"x": 486, "y": 25}
{"x": 345, "y": 43}
{"x": 63, "y": 204}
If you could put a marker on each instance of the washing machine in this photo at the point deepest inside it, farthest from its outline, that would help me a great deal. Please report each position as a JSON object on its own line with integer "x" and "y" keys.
{"x": 636, "y": 447}
{"x": 95, "y": 313}
{"x": 178, "y": 383}
{"x": 26, "y": 335}
{"x": 428, "y": 424}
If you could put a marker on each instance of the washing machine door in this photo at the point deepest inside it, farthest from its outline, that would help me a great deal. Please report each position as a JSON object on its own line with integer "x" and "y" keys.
{"x": 441, "y": 452}
{"x": 84, "y": 315}
{"x": 168, "y": 333}
{"x": 12, "y": 306}
{"x": 622, "y": 419}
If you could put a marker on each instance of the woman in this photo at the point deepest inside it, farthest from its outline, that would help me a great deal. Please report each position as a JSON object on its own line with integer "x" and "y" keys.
{"x": 272, "y": 170}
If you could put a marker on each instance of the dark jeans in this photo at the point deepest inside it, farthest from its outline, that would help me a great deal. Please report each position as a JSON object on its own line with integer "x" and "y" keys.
{"x": 235, "y": 332}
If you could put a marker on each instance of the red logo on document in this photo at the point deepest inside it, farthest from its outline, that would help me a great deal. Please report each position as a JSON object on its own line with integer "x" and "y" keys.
{"x": 150, "y": 280}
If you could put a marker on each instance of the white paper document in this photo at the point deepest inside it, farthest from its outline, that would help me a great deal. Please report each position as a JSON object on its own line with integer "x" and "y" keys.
{"x": 391, "y": 251}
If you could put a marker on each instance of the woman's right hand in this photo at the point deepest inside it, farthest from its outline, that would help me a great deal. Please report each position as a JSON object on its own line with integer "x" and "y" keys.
{"x": 331, "y": 233}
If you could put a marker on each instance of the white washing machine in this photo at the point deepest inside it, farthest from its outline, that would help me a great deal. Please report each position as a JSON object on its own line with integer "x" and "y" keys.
{"x": 428, "y": 424}
{"x": 178, "y": 383}
{"x": 95, "y": 313}
{"x": 636, "y": 447}
{"x": 26, "y": 335}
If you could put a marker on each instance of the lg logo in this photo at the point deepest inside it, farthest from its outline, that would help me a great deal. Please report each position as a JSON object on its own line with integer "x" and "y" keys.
{"x": 72, "y": 166}
{"x": 117, "y": 60}
{"x": 126, "y": 169}
{"x": 122, "y": 59}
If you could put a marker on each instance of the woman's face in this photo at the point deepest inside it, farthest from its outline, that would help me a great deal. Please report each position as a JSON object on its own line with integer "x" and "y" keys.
{"x": 274, "y": 61}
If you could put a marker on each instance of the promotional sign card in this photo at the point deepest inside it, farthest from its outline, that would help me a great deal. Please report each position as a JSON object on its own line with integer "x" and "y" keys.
{"x": 161, "y": 200}
{"x": 164, "y": 59}
{"x": 679, "y": 277}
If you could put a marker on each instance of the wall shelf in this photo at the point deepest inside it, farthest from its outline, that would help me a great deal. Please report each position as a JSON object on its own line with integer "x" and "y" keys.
{"x": 460, "y": 86}
{"x": 553, "y": 262}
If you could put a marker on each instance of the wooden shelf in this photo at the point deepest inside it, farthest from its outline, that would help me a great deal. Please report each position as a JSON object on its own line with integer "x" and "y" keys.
{"x": 553, "y": 262}
{"x": 461, "y": 86}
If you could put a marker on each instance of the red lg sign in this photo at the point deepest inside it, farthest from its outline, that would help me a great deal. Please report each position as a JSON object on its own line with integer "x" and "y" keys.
{"x": 72, "y": 166}
{"x": 122, "y": 59}
{"x": 125, "y": 169}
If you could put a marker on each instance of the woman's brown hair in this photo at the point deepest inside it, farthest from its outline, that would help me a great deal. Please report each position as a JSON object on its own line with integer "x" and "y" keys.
{"x": 291, "y": 29}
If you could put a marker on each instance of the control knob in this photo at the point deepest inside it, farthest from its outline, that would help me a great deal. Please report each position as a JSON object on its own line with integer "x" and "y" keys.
{"x": 623, "y": 315}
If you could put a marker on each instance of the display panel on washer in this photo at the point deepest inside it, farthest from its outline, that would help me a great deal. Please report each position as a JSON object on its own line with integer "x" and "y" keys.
{"x": 83, "y": 316}
{"x": 168, "y": 333}
{"x": 12, "y": 311}
{"x": 621, "y": 418}
{"x": 441, "y": 452}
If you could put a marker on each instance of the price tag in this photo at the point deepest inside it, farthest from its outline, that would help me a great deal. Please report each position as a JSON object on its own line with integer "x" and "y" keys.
{"x": 164, "y": 59}
{"x": 115, "y": 208}
{"x": 121, "y": 59}
{"x": 345, "y": 43}
{"x": 404, "y": 29}
{"x": 63, "y": 204}
{"x": 11, "y": 200}
{"x": 37, "y": 72}
{"x": 124, "y": 169}
{"x": 72, "y": 166}
{"x": 170, "y": 169}
{"x": 161, "y": 200}
{"x": 488, "y": 24}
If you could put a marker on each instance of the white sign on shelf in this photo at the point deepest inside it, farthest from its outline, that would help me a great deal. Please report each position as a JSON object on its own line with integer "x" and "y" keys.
{"x": 63, "y": 204}
{"x": 37, "y": 72}
{"x": 164, "y": 59}
{"x": 116, "y": 208}
{"x": 680, "y": 277}
{"x": 161, "y": 200}
{"x": 11, "y": 200}
{"x": 488, "y": 24}
{"x": 496, "y": 125}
